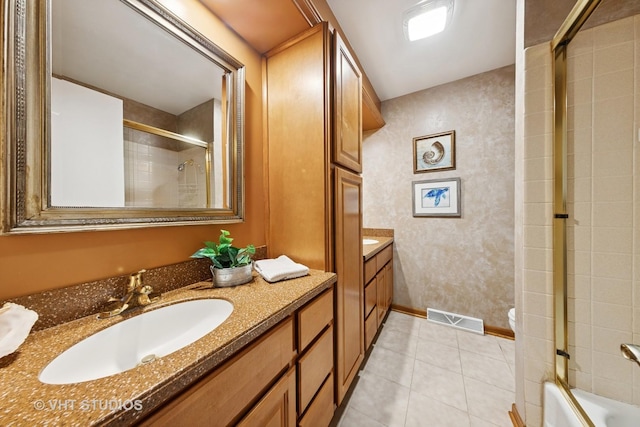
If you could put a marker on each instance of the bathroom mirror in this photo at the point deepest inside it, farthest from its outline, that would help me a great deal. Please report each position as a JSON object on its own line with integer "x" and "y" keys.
{"x": 119, "y": 115}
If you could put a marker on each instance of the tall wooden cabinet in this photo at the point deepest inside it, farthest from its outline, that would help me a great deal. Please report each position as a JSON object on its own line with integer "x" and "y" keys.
{"x": 313, "y": 125}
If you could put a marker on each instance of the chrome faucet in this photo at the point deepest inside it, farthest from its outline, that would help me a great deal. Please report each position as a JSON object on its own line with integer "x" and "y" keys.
{"x": 631, "y": 352}
{"x": 138, "y": 294}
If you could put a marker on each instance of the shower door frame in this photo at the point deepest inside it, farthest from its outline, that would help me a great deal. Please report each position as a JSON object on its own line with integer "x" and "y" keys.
{"x": 581, "y": 11}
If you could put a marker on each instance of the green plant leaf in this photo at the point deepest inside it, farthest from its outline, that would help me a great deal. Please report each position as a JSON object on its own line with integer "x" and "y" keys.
{"x": 223, "y": 254}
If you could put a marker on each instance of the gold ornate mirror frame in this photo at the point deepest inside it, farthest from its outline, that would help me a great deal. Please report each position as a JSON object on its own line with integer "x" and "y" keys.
{"x": 25, "y": 123}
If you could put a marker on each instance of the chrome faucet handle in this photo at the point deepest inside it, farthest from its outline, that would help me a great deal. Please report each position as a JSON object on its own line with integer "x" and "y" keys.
{"x": 631, "y": 352}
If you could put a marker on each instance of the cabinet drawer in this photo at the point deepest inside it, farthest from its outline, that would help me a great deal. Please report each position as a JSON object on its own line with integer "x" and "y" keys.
{"x": 384, "y": 257}
{"x": 313, "y": 318}
{"x": 370, "y": 328}
{"x": 369, "y": 270}
{"x": 370, "y": 297}
{"x": 222, "y": 396}
{"x": 321, "y": 410}
{"x": 313, "y": 368}
{"x": 277, "y": 407}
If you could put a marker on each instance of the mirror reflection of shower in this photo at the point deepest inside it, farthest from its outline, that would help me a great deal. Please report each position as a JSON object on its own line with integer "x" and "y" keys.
{"x": 191, "y": 180}
{"x": 165, "y": 170}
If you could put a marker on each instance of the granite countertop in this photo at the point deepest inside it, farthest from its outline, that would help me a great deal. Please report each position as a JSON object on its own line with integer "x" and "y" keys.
{"x": 108, "y": 401}
{"x": 369, "y": 251}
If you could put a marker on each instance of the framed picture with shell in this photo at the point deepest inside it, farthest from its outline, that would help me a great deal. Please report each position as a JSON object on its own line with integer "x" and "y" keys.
{"x": 435, "y": 152}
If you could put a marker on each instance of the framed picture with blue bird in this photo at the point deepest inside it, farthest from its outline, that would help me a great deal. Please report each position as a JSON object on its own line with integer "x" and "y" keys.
{"x": 437, "y": 198}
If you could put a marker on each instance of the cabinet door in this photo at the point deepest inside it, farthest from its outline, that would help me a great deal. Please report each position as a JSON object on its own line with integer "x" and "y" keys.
{"x": 382, "y": 295}
{"x": 349, "y": 319}
{"x": 221, "y": 397}
{"x": 277, "y": 407}
{"x": 347, "y": 144}
{"x": 388, "y": 277}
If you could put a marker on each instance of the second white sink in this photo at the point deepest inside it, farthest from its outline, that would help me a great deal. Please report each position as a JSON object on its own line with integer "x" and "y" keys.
{"x": 138, "y": 340}
{"x": 369, "y": 241}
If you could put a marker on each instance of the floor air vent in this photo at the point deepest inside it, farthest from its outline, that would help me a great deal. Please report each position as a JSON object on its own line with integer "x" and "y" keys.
{"x": 459, "y": 321}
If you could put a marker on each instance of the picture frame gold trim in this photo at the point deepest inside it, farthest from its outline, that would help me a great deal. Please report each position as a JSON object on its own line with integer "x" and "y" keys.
{"x": 435, "y": 152}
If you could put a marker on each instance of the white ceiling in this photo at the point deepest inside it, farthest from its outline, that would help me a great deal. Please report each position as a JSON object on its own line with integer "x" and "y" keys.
{"x": 480, "y": 37}
{"x": 108, "y": 45}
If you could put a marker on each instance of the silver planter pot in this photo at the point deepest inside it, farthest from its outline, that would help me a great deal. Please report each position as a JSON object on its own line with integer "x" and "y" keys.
{"x": 223, "y": 277}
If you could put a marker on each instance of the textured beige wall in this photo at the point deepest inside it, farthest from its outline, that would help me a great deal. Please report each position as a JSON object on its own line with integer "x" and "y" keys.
{"x": 463, "y": 265}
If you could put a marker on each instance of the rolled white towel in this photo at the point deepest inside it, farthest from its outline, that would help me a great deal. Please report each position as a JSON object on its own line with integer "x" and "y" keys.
{"x": 281, "y": 268}
{"x": 15, "y": 324}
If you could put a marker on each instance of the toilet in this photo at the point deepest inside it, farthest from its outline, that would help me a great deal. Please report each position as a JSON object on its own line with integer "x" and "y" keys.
{"x": 512, "y": 319}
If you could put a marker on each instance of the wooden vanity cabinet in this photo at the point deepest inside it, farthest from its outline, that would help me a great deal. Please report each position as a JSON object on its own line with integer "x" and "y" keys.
{"x": 220, "y": 398}
{"x": 314, "y": 131}
{"x": 282, "y": 379}
{"x": 316, "y": 362}
{"x": 378, "y": 273}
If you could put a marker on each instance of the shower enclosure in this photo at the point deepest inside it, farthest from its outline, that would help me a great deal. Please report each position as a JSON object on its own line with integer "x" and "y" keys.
{"x": 596, "y": 205}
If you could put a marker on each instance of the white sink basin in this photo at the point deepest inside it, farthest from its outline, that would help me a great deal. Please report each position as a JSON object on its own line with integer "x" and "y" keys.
{"x": 369, "y": 241}
{"x": 138, "y": 340}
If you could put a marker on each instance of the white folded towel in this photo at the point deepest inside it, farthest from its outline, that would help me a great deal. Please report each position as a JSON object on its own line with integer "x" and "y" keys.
{"x": 15, "y": 325}
{"x": 281, "y": 268}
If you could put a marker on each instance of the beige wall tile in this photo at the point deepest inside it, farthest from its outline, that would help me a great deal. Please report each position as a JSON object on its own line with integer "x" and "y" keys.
{"x": 612, "y": 162}
{"x": 612, "y": 291}
{"x": 582, "y": 44}
{"x": 613, "y": 59}
{"x": 606, "y": 340}
{"x": 579, "y": 141}
{"x": 613, "y": 122}
{"x": 613, "y": 388}
{"x": 578, "y": 237}
{"x": 538, "y": 168}
{"x": 613, "y": 189}
{"x": 538, "y": 281}
{"x": 582, "y": 216}
{"x": 537, "y": 214}
{"x": 612, "y": 316}
{"x": 579, "y": 189}
{"x": 613, "y": 239}
{"x": 579, "y": 286}
{"x": 540, "y": 304}
{"x": 581, "y": 360}
{"x": 579, "y": 310}
{"x": 614, "y": 86}
{"x": 539, "y": 145}
{"x": 579, "y": 263}
{"x": 618, "y": 213}
{"x": 538, "y": 123}
{"x": 538, "y": 236}
{"x": 537, "y": 326}
{"x": 613, "y": 33}
{"x": 580, "y": 70}
{"x": 537, "y": 259}
{"x": 579, "y": 116}
{"x": 538, "y": 101}
{"x": 612, "y": 265}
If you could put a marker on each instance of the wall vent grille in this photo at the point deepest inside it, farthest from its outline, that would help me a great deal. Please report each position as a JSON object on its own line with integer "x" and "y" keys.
{"x": 459, "y": 321}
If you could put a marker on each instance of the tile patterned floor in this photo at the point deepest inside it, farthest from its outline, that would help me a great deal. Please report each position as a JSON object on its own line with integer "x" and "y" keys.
{"x": 427, "y": 375}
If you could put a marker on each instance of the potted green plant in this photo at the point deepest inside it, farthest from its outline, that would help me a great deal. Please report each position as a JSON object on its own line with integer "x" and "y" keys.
{"x": 230, "y": 265}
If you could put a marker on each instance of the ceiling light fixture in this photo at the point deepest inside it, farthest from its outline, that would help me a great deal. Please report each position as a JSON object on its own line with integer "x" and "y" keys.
{"x": 427, "y": 18}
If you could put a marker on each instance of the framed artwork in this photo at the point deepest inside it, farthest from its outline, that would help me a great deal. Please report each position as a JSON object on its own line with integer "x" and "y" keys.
{"x": 437, "y": 198}
{"x": 434, "y": 152}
